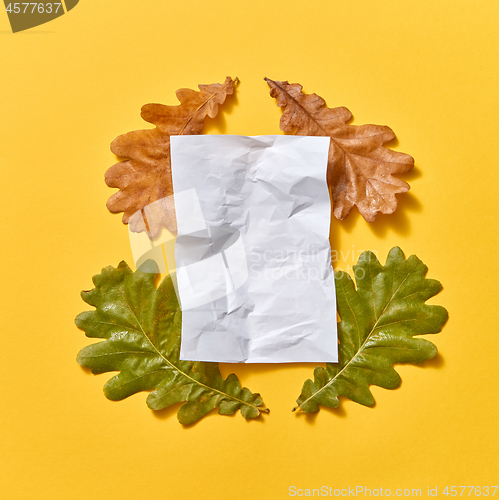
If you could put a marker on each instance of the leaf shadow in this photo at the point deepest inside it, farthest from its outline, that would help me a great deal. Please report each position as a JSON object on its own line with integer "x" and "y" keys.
{"x": 399, "y": 221}
{"x": 218, "y": 125}
{"x": 86, "y": 370}
{"x": 339, "y": 411}
{"x": 436, "y": 362}
{"x": 166, "y": 413}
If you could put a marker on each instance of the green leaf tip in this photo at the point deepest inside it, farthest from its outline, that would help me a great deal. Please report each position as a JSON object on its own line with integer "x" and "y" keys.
{"x": 380, "y": 316}
{"x": 141, "y": 328}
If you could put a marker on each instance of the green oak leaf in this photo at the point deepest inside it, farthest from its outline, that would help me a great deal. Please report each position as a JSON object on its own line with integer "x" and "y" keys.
{"x": 142, "y": 325}
{"x": 379, "y": 321}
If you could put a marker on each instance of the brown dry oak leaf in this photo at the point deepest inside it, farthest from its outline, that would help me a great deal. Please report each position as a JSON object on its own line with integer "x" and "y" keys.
{"x": 360, "y": 169}
{"x": 144, "y": 179}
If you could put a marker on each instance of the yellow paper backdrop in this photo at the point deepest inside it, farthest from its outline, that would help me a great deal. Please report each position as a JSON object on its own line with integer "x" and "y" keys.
{"x": 428, "y": 69}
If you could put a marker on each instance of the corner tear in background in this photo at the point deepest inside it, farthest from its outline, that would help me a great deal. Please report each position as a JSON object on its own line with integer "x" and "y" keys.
{"x": 23, "y": 16}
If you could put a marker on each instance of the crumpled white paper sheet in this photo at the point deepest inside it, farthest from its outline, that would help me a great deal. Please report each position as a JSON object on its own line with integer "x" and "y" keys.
{"x": 252, "y": 253}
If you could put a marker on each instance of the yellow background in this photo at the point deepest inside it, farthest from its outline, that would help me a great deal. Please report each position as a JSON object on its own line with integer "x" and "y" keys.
{"x": 427, "y": 69}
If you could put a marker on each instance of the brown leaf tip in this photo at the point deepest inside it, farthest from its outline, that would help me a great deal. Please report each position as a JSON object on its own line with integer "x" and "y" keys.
{"x": 143, "y": 177}
{"x": 361, "y": 170}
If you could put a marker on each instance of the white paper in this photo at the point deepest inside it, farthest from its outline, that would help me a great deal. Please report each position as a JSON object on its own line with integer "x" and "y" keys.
{"x": 252, "y": 252}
